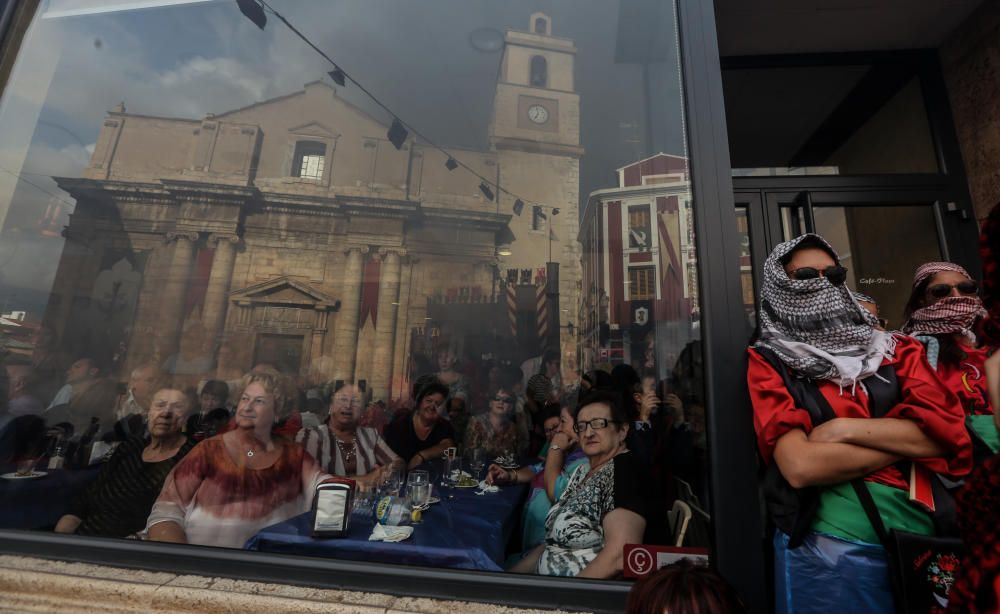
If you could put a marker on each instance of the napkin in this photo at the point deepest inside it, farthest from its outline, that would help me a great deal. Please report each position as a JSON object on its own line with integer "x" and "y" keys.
{"x": 485, "y": 488}
{"x": 383, "y": 533}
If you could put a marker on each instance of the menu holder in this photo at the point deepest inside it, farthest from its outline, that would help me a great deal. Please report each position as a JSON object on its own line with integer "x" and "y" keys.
{"x": 332, "y": 507}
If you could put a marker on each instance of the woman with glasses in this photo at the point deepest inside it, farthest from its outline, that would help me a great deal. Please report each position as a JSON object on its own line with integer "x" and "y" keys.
{"x": 495, "y": 431}
{"x": 818, "y": 353}
{"x": 605, "y": 504}
{"x": 943, "y": 312}
{"x": 344, "y": 448}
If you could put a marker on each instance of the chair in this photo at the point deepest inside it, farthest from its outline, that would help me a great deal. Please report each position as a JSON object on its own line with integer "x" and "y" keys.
{"x": 679, "y": 517}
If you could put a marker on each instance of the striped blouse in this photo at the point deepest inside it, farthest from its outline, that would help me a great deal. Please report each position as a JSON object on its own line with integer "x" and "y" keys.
{"x": 370, "y": 450}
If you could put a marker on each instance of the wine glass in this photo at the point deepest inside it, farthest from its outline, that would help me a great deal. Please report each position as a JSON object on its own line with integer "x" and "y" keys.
{"x": 477, "y": 459}
{"x": 394, "y": 481}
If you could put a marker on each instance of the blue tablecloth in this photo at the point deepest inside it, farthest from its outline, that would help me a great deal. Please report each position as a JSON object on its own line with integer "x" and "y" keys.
{"x": 463, "y": 531}
{"x": 40, "y": 502}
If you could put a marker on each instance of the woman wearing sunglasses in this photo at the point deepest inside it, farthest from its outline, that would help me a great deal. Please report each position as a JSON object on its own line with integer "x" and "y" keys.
{"x": 495, "y": 431}
{"x": 943, "y": 313}
{"x": 817, "y": 346}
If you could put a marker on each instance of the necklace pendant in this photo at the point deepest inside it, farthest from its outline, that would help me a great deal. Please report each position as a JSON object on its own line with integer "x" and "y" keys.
{"x": 250, "y": 453}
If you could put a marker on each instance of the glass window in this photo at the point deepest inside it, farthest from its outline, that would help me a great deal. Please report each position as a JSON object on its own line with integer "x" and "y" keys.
{"x": 223, "y": 255}
{"x": 310, "y": 159}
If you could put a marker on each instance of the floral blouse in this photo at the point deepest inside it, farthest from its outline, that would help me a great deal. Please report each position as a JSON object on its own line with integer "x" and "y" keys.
{"x": 480, "y": 433}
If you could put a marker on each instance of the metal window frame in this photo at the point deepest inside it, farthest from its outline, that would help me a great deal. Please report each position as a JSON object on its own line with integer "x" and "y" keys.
{"x": 737, "y": 545}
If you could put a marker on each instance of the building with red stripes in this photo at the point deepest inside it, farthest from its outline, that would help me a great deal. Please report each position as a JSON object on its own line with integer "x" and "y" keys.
{"x": 640, "y": 291}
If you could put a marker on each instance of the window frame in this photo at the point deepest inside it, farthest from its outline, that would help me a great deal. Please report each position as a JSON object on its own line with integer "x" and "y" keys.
{"x": 298, "y": 158}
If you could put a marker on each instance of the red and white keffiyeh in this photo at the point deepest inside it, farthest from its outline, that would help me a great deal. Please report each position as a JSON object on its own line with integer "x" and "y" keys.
{"x": 952, "y": 314}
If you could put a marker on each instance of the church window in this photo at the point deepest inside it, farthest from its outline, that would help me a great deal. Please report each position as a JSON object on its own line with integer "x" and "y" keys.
{"x": 539, "y": 71}
{"x": 309, "y": 161}
{"x": 541, "y": 27}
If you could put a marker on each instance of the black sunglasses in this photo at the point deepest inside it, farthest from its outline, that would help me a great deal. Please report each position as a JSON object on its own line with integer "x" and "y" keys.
{"x": 967, "y": 287}
{"x": 836, "y": 274}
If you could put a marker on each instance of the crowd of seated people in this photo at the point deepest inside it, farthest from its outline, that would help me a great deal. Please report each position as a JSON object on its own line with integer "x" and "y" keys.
{"x": 213, "y": 463}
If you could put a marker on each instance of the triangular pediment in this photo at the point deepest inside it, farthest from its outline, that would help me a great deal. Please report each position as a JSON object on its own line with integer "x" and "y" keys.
{"x": 286, "y": 292}
{"x": 314, "y": 129}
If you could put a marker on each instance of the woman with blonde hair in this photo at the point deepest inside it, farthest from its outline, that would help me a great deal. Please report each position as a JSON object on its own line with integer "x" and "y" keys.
{"x": 232, "y": 485}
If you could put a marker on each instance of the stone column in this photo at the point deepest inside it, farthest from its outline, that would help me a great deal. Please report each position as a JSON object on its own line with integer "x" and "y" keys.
{"x": 400, "y": 377}
{"x": 213, "y": 313}
{"x": 175, "y": 287}
{"x": 388, "y": 303}
{"x": 346, "y": 340}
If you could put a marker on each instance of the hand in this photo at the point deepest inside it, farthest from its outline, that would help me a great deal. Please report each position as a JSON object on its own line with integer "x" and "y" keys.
{"x": 497, "y": 475}
{"x": 416, "y": 461}
{"x": 647, "y": 405}
{"x": 561, "y": 440}
{"x": 676, "y": 406}
{"x": 838, "y": 430}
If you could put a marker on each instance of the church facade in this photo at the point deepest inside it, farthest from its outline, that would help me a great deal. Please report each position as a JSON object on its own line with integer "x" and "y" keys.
{"x": 293, "y": 232}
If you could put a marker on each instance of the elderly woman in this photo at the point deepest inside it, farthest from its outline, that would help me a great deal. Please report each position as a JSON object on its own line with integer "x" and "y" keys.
{"x": 118, "y": 502}
{"x": 495, "y": 431}
{"x": 943, "y": 312}
{"x": 838, "y": 404}
{"x": 232, "y": 485}
{"x": 423, "y": 434}
{"x": 343, "y": 448}
{"x": 605, "y": 503}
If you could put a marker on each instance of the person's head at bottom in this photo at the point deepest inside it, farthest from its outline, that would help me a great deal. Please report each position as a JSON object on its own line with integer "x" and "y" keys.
{"x": 684, "y": 588}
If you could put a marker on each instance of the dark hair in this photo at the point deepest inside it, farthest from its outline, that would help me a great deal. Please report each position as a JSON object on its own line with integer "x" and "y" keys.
{"x": 599, "y": 379}
{"x": 217, "y": 389}
{"x": 548, "y": 357}
{"x": 605, "y": 397}
{"x": 950, "y": 351}
{"x": 92, "y": 362}
{"x": 551, "y": 410}
{"x": 423, "y": 381}
{"x": 684, "y": 588}
{"x": 432, "y": 388}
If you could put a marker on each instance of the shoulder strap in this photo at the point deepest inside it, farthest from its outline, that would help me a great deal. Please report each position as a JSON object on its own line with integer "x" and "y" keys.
{"x": 804, "y": 392}
{"x": 871, "y": 510}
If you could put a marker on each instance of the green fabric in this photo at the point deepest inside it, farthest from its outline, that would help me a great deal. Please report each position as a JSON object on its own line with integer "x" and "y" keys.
{"x": 986, "y": 428}
{"x": 840, "y": 513}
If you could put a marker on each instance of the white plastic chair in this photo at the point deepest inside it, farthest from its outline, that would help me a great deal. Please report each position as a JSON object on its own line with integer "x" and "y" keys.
{"x": 679, "y": 517}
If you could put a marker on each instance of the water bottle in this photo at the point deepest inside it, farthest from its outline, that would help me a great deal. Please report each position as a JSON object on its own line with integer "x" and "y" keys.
{"x": 393, "y": 511}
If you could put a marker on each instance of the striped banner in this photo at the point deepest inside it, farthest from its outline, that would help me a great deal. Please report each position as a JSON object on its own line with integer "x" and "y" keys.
{"x": 542, "y": 311}
{"x": 512, "y": 308}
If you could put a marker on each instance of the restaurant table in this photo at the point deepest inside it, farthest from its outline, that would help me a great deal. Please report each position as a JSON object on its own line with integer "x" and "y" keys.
{"x": 38, "y": 503}
{"x": 463, "y": 531}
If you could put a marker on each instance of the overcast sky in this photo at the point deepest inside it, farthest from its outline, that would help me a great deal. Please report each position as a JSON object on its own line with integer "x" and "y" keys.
{"x": 186, "y": 60}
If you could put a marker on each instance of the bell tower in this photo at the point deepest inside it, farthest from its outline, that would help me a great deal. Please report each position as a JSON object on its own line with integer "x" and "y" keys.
{"x": 535, "y": 132}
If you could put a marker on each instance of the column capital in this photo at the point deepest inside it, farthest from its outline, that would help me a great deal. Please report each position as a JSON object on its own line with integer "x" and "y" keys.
{"x": 356, "y": 249}
{"x": 386, "y": 251}
{"x": 219, "y": 237}
{"x": 174, "y": 235}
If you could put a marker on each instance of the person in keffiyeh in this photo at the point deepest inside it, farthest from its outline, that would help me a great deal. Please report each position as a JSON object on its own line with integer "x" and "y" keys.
{"x": 812, "y": 328}
{"x": 944, "y": 312}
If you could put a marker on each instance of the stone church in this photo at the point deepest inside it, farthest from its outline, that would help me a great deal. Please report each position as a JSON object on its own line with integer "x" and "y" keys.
{"x": 293, "y": 232}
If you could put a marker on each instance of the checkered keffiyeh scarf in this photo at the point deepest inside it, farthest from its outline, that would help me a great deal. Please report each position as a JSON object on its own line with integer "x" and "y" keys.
{"x": 952, "y": 314}
{"x": 818, "y": 329}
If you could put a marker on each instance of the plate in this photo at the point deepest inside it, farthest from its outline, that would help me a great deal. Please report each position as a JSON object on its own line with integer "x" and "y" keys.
{"x": 476, "y": 485}
{"x": 433, "y": 500}
{"x": 13, "y": 476}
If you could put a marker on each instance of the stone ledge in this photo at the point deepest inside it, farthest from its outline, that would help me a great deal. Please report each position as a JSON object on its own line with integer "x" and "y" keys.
{"x": 40, "y": 585}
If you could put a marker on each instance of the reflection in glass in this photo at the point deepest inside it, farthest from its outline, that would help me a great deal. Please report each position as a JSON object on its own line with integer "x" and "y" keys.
{"x": 482, "y": 212}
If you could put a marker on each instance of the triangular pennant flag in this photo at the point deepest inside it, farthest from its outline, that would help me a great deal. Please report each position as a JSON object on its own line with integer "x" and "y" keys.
{"x": 253, "y": 11}
{"x": 338, "y": 76}
{"x": 397, "y": 133}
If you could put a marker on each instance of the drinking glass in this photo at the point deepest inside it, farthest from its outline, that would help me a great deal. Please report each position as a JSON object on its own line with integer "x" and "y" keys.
{"x": 395, "y": 481}
{"x": 477, "y": 459}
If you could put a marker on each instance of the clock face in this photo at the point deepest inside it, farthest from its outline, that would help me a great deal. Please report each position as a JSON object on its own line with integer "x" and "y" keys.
{"x": 538, "y": 114}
